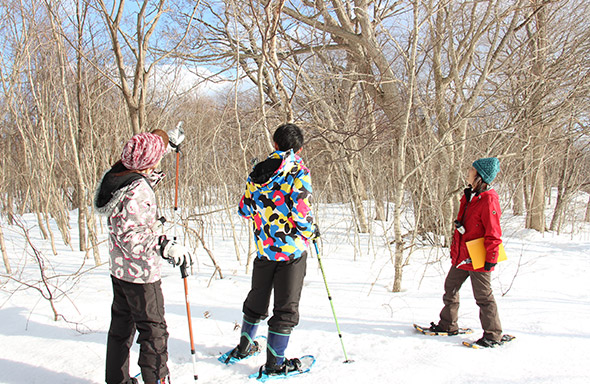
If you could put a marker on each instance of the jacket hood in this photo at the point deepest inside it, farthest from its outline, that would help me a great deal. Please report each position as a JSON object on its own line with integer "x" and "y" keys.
{"x": 273, "y": 168}
{"x": 112, "y": 186}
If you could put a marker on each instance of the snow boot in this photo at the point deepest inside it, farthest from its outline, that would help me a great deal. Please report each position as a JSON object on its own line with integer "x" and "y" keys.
{"x": 288, "y": 365}
{"x": 276, "y": 364}
{"x": 438, "y": 329}
{"x": 247, "y": 345}
{"x": 249, "y": 328}
{"x": 487, "y": 343}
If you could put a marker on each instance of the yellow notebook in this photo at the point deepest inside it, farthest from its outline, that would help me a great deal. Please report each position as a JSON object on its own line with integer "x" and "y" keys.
{"x": 477, "y": 252}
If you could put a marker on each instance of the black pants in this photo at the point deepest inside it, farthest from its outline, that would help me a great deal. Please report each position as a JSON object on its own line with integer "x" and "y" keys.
{"x": 137, "y": 307}
{"x": 286, "y": 279}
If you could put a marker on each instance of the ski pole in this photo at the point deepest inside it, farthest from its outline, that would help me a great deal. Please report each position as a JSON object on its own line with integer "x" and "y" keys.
{"x": 317, "y": 251}
{"x": 176, "y": 138}
{"x": 184, "y": 274}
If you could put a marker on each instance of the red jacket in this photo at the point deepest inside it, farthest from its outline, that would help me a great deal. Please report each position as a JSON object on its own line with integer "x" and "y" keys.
{"x": 481, "y": 218}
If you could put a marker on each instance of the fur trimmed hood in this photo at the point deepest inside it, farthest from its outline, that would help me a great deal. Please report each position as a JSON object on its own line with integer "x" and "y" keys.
{"x": 112, "y": 186}
{"x": 110, "y": 189}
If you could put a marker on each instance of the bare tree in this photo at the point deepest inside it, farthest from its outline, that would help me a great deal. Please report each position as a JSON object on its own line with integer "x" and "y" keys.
{"x": 144, "y": 57}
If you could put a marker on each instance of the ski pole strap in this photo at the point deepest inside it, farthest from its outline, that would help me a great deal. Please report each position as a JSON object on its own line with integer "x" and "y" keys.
{"x": 184, "y": 269}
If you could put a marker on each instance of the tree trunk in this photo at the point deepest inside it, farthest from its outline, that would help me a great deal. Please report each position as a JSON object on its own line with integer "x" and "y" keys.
{"x": 518, "y": 199}
{"x": 399, "y": 241}
{"x": 563, "y": 189}
{"x": 400, "y": 166}
{"x": 41, "y": 225}
{"x": 559, "y": 211}
{"x": 80, "y": 185}
{"x": 536, "y": 209}
{"x": 4, "y": 253}
{"x": 356, "y": 198}
{"x": 380, "y": 214}
{"x": 538, "y": 43}
{"x": 92, "y": 238}
{"x": 10, "y": 209}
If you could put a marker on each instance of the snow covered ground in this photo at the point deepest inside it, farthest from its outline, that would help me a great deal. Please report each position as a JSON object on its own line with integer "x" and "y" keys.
{"x": 546, "y": 305}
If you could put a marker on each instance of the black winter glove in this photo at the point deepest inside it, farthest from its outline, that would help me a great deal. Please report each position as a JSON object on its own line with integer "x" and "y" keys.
{"x": 316, "y": 233}
{"x": 159, "y": 224}
{"x": 488, "y": 266}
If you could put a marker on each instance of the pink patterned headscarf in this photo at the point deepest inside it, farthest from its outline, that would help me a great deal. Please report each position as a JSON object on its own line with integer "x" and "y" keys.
{"x": 143, "y": 151}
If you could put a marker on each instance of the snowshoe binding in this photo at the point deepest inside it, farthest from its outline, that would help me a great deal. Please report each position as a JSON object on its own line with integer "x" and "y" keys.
{"x": 290, "y": 367}
{"x": 436, "y": 330}
{"x": 487, "y": 343}
{"x": 235, "y": 355}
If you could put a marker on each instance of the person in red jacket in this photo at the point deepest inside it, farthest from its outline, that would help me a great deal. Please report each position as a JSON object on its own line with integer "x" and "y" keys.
{"x": 479, "y": 216}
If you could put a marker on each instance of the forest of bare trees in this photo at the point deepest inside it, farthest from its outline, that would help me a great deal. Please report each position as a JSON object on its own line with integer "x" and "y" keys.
{"x": 396, "y": 98}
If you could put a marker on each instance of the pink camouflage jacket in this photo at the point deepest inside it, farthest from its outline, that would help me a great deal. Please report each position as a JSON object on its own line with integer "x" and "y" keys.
{"x": 129, "y": 203}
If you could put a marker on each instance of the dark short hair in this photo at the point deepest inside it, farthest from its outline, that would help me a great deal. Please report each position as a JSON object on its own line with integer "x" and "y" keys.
{"x": 288, "y": 136}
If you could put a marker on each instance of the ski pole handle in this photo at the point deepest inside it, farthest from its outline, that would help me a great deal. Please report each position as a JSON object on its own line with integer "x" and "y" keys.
{"x": 184, "y": 269}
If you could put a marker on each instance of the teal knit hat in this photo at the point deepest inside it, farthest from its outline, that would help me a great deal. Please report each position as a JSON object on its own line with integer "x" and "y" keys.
{"x": 487, "y": 168}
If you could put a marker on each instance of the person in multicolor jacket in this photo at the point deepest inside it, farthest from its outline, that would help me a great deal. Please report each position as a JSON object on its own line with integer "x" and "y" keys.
{"x": 126, "y": 197}
{"x": 277, "y": 201}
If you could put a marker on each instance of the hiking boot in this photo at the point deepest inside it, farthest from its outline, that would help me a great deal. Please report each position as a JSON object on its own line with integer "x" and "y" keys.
{"x": 506, "y": 338}
{"x": 289, "y": 365}
{"x": 238, "y": 355}
{"x": 487, "y": 343}
{"x": 438, "y": 329}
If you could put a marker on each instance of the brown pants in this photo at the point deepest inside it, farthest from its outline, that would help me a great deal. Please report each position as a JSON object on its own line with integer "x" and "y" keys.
{"x": 481, "y": 283}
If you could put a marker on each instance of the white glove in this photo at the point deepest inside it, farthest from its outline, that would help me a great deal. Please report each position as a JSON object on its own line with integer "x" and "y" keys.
{"x": 175, "y": 253}
{"x": 176, "y": 135}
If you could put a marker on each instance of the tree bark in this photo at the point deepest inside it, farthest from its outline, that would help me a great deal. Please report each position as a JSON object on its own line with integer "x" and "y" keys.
{"x": 539, "y": 131}
{"x": 4, "y": 253}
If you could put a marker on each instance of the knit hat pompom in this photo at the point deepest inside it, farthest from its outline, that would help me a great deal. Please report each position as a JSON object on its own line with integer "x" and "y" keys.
{"x": 143, "y": 151}
{"x": 487, "y": 168}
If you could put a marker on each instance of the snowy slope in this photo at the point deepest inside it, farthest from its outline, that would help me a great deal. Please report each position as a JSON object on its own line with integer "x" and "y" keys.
{"x": 546, "y": 305}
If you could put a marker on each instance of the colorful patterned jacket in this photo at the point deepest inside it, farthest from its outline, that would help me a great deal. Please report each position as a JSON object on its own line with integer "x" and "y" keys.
{"x": 278, "y": 201}
{"x": 129, "y": 202}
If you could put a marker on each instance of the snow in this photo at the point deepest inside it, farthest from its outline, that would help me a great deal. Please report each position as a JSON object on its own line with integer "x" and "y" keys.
{"x": 542, "y": 290}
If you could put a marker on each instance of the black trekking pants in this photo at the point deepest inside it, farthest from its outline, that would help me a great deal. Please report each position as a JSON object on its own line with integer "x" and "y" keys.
{"x": 286, "y": 279}
{"x": 137, "y": 307}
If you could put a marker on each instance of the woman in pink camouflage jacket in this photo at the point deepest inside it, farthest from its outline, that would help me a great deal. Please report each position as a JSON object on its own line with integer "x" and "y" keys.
{"x": 126, "y": 197}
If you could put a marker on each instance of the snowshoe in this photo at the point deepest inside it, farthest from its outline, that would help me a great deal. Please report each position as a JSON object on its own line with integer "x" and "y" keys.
{"x": 290, "y": 367}
{"x": 436, "y": 330}
{"x": 234, "y": 355}
{"x": 487, "y": 343}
